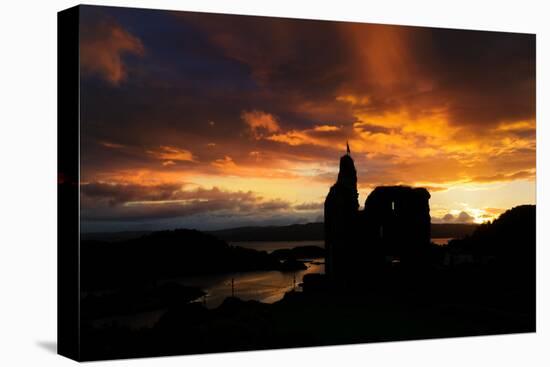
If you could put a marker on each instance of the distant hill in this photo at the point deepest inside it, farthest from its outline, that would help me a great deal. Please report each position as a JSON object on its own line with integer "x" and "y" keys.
{"x": 452, "y": 230}
{"x": 293, "y": 232}
{"x": 315, "y": 231}
{"x": 113, "y": 236}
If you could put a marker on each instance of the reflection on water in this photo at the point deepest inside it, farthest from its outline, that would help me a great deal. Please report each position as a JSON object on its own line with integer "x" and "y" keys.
{"x": 271, "y": 246}
{"x": 263, "y": 286}
{"x": 441, "y": 241}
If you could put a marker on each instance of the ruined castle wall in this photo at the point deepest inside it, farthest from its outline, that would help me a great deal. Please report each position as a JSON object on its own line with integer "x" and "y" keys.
{"x": 398, "y": 218}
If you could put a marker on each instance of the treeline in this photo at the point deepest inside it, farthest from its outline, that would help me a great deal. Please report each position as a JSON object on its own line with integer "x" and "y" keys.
{"x": 510, "y": 241}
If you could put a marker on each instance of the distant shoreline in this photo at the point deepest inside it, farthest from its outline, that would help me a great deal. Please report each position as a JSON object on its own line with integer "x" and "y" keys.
{"x": 293, "y": 232}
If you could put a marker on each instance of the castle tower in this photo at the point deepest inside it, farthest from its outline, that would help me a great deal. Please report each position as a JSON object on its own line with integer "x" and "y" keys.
{"x": 341, "y": 211}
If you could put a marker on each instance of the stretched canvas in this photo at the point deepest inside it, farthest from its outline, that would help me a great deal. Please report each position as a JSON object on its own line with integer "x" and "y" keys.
{"x": 232, "y": 183}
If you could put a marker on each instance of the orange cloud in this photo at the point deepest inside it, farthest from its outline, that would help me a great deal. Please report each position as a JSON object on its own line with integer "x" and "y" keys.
{"x": 260, "y": 122}
{"x": 521, "y": 175}
{"x": 325, "y": 128}
{"x": 256, "y": 155}
{"x": 112, "y": 145}
{"x": 171, "y": 154}
{"x": 310, "y": 206}
{"x": 294, "y": 137}
{"x": 320, "y": 135}
{"x": 225, "y": 164}
{"x": 102, "y": 46}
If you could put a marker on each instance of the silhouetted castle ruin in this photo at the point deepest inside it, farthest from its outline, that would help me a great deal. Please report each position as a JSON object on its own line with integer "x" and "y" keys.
{"x": 394, "y": 225}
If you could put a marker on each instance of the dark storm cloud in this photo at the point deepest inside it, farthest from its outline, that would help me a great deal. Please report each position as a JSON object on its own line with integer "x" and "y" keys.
{"x": 120, "y": 194}
{"x": 103, "y": 45}
{"x": 489, "y": 77}
{"x": 140, "y": 212}
{"x": 481, "y": 77}
{"x": 310, "y": 206}
{"x": 281, "y": 53}
{"x": 133, "y": 202}
{"x": 173, "y": 92}
{"x": 201, "y": 68}
{"x": 375, "y": 129}
{"x": 117, "y": 194}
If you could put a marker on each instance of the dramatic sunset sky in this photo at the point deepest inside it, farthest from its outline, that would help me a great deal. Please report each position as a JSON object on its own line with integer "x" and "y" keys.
{"x": 214, "y": 121}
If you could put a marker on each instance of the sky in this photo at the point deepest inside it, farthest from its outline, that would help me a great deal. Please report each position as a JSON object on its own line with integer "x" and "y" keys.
{"x": 208, "y": 121}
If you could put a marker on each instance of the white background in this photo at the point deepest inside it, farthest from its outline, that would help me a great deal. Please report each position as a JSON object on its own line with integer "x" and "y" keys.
{"x": 28, "y": 183}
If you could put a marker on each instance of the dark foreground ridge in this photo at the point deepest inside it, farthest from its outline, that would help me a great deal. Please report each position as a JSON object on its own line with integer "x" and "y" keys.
{"x": 170, "y": 254}
{"x": 481, "y": 285}
{"x": 384, "y": 281}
